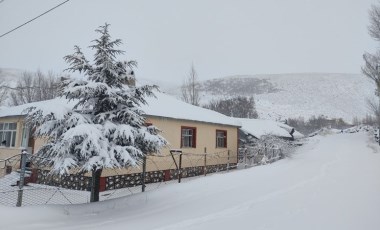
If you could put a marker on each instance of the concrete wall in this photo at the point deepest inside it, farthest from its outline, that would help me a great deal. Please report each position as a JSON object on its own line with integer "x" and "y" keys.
{"x": 171, "y": 131}
{"x": 7, "y": 152}
{"x": 192, "y": 157}
{"x": 205, "y": 142}
{"x": 206, "y": 135}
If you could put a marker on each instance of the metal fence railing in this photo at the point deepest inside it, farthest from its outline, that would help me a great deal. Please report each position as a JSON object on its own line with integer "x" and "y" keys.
{"x": 27, "y": 180}
{"x": 17, "y": 187}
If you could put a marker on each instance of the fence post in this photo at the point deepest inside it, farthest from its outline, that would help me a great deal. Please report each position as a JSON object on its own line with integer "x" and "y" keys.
{"x": 205, "y": 165}
{"x": 22, "y": 178}
{"x": 228, "y": 161}
{"x": 95, "y": 184}
{"x": 180, "y": 168}
{"x": 265, "y": 149}
{"x": 245, "y": 158}
{"x": 143, "y": 175}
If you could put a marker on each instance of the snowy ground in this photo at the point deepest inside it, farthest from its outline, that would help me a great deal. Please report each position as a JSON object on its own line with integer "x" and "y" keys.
{"x": 331, "y": 183}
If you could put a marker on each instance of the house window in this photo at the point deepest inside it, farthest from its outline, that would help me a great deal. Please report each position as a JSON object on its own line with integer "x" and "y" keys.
{"x": 221, "y": 138}
{"x": 188, "y": 137}
{"x": 8, "y": 134}
{"x": 25, "y": 136}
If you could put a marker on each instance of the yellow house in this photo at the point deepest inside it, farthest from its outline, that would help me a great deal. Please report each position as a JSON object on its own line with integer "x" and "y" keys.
{"x": 208, "y": 141}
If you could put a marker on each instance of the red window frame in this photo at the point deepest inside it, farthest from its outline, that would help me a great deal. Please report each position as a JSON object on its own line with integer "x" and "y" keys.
{"x": 224, "y": 138}
{"x": 193, "y": 142}
{"x": 147, "y": 124}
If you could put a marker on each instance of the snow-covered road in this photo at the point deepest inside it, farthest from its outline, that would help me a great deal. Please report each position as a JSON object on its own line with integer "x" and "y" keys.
{"x": 331, "y": 183}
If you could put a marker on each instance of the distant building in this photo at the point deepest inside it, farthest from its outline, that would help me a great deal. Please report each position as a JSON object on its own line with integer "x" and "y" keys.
{"x": 258, "y": 128}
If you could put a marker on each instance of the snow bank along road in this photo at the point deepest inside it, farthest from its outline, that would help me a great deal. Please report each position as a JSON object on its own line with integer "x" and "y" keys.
{"x": 331, "y": 183}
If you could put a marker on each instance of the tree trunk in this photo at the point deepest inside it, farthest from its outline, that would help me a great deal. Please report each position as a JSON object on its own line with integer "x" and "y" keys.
{"x": 95, "y": 185}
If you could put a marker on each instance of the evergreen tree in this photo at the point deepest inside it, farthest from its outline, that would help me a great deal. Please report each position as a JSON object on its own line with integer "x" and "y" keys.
{"x": 106, "y": 127}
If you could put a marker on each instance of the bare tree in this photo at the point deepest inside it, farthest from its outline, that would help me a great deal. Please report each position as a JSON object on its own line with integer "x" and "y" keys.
{"x": 375, "y": 108}
{"x": 371, "y": 68}
{"x": 374, "y": 22}
{"x": 3, "y": 90}
{"x": 190, "y": 88}
{"x": 3, "y": 93}
{"x": 33, "y": 87}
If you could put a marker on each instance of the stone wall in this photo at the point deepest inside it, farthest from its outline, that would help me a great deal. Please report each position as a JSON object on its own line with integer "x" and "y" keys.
{"x": 82, "y": 182}
{"x": 72, "y": 181}
{"x": 132, "y": 180}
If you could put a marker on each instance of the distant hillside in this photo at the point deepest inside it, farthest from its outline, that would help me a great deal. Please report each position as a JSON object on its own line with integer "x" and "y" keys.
{"x": 239, "y": 85}
{"x": 280, "y": 96}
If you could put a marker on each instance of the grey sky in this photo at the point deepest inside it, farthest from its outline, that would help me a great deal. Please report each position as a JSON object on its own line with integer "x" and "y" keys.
{"x": 220, "y": 37}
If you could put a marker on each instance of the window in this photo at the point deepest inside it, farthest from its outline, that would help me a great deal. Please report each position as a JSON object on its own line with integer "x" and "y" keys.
{"x": 188, "y": 137}
{"x": 221, "y": 139}
{"x": 8, "y": 134}
{"x": 25, "y": 136}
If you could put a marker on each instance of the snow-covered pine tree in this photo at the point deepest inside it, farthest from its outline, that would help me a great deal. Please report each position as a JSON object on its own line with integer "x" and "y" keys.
{"x": 106, "y": 127}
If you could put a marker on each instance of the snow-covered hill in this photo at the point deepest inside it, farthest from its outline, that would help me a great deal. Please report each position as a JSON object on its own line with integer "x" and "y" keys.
{"x": 281, "y": 96}
{"x": 278, "y": 96}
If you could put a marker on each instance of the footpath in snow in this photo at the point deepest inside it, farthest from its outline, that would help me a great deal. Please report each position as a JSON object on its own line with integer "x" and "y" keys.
{"x": 333, "y": 182}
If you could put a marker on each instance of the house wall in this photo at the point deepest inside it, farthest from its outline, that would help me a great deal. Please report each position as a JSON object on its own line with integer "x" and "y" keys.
{"x": 205, "y": 141}
{"x": 206, "y": 134}
{"x": 192, "y": 157}
{"x": 38, "y": 143}
{"x": 171, "y": 131}
{"x": 7, "y": 152}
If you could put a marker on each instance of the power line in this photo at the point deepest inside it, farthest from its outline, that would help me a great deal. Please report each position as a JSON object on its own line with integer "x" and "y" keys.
{"x": 26, "y": 87}
{"x": 33, "y": 18}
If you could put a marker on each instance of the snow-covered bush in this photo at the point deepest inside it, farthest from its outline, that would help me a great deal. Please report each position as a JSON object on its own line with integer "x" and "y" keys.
{"x": 267, "y": 149}
{"x": 286, "y": 147}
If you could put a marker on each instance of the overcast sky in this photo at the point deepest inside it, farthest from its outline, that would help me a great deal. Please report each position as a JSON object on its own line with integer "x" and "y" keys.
{"x": 221, "y": 37}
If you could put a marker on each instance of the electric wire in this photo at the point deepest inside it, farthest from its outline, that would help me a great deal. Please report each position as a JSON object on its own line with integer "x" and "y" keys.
{"x": 18, "y": 27}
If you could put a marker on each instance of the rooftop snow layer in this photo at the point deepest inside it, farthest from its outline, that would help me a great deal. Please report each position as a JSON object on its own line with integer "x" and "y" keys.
{"x": 259, "y": 128}
{"x": 162, "y": 105}
{"x": 167, "y": 106}
{"x": 58, "y": 106}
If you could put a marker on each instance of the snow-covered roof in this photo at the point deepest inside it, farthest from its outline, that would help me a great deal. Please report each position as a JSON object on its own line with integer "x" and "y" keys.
{"x": 162, "y": 105}
{"x": 58, "y": 106}
{"x": 259, "y": 128}
{"x": 167, "y": 106}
